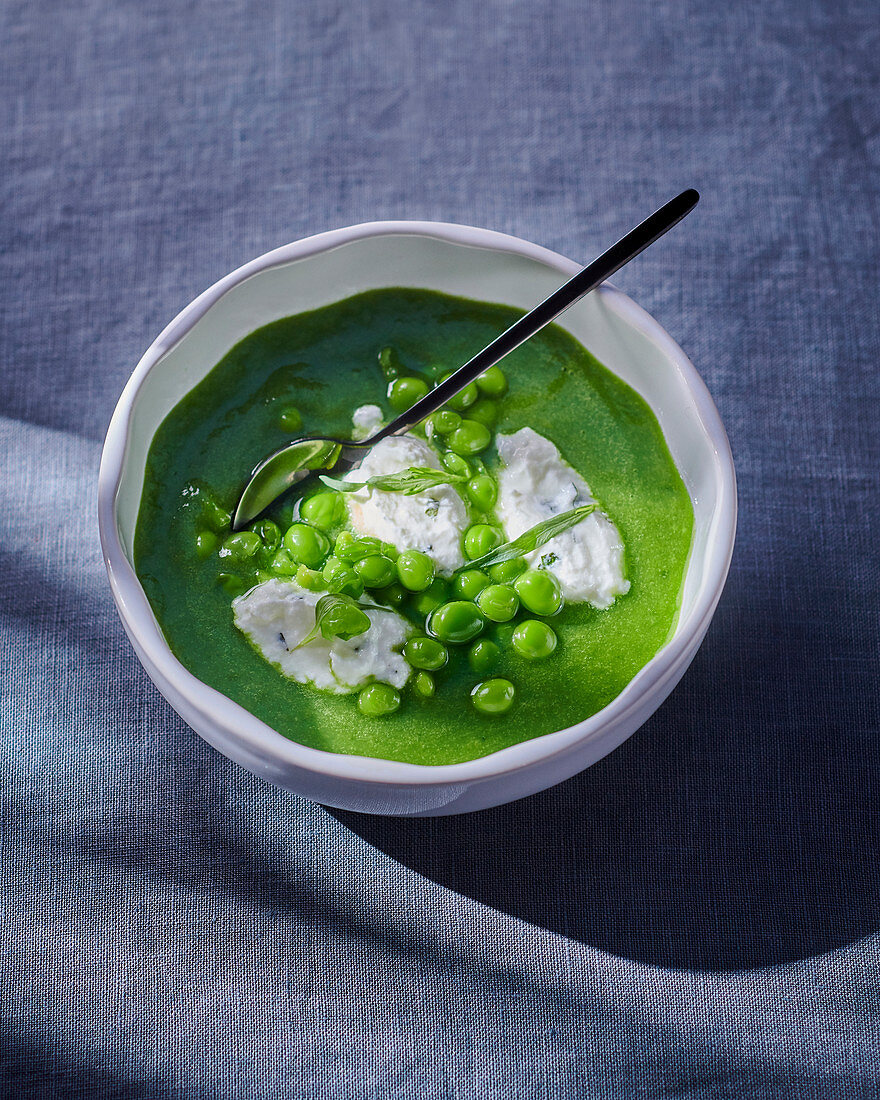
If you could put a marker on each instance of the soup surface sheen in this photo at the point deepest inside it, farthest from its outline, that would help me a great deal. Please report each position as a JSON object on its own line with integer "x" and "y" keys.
{"x": 325, "y": 363}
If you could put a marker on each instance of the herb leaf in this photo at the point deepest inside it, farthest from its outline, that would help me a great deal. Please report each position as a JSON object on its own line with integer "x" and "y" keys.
{"x": 414, "y": 480}
{"x": 337, "y": 616}
{"x": 532, "y": 539}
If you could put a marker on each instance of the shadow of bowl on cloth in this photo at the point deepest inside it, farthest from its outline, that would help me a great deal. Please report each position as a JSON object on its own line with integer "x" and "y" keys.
{"x": 736, "y": 830}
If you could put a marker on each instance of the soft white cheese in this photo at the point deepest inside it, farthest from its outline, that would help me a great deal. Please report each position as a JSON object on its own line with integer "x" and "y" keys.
{"x": 277, "y": 615}
{"x": 366, "y": 421}
{"x": 432, "y": 522}
{"x": 535, "y": 483}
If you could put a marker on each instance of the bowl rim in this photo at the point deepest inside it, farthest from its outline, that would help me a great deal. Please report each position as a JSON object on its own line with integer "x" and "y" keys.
{"x": 240, "y": 725}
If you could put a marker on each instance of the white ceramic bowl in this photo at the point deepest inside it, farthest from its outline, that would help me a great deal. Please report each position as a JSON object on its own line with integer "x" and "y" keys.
{"x": 474, "y": 263}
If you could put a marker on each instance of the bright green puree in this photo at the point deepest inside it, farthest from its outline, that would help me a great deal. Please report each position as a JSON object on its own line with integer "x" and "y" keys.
{"x": 322, "y": 365}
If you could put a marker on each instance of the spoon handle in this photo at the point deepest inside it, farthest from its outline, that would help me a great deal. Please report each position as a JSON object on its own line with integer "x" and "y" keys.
{"x": 587, "y": 279}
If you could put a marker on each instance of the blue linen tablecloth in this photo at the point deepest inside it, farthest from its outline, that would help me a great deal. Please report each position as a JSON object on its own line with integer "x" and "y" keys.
{"x": 695, "y": 916}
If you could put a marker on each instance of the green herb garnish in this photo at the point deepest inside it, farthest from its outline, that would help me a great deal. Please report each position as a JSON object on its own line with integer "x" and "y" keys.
{"x": 338, "y": 616}
{"x": 409, "y": 482}
{"x": 532, "y": 539}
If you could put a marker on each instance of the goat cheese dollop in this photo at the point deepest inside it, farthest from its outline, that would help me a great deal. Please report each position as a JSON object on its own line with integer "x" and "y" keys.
{"x": 535, "y": 483}
{"x": 366, "y": 421}
{"x": 277, "y": 615}
{"x": 432, "y": 522}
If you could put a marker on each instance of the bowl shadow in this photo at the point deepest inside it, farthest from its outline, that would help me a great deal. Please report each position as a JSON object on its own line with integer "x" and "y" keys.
{"x": 735, "y": 830}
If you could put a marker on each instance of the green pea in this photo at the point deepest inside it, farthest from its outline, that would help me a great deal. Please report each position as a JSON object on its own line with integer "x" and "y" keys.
{"x": 347, "y": 582}
{"x": 389, "y": 550}
{"x": 332, "y": 566}
{"x": 469, "y": 584}
{"x": 436, "y": 593}
{"x": 539, "y": 591}
{"x": 231, "y": 584}
{"x": 534, "y": 639}
{"x": 484, "y": 412}
{"x": 493, "y": 696}
{"x": 426, "y": 653}
{"x": 291, "y": 419}
{"x": 378, "y": 700}
{"x": 483, "y": 492}
{"x": 455, "y": 464}
{"x": 284, "y": 564}
{"x": 507, "y": 571}
{"x": 269, "y": 534}
{"x": 415, "y": 570}
{"x": 504, "y": 634}
{"x": 483, "y": 655}
{"x": 466, "y": 397}
{"x": 324, "y": 510}
{"x": 404, "y": 392}
{"x": 358, "y": 548}
{"x": 395, "y": 595}
{"x": 457, "y": 622}
{"x": 469, "y": 438}
{"x": 306, "y": 545}
{"x": 423, "y": 684}
{"x": 206, "y": 543}
{"x": 492, "y": 382}
{"x": 240, "y": 546}
{"x": 217, "y": 518}
{"x": 498, "y": 602}
{"x": 310, "y": 579}
{"x": 480, "y": 539}
{"x": 389, "y": 363}
{"x": 444, "y": 421}
{"x": 343, "y": 539}
{"x": 375, "y": 570}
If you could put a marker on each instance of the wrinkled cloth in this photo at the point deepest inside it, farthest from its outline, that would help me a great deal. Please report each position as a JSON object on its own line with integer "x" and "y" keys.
{"x": 698, "y": 915}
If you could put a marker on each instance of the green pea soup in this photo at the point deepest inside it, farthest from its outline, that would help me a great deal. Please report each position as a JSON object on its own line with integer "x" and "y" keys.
{"x": 318, "y": 367}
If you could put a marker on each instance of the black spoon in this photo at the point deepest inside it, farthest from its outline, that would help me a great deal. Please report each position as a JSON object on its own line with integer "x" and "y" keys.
{"x": 294, "y": 462}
